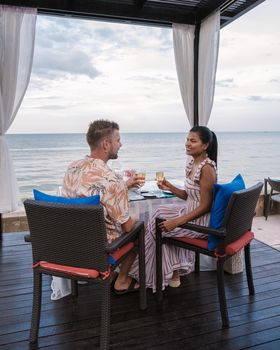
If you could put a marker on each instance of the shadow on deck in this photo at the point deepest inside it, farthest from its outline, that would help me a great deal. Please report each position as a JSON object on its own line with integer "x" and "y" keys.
{"x": 189, "y": 316}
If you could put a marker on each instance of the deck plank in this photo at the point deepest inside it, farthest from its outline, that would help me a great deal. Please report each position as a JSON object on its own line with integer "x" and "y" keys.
{"x": 189, "y": 316}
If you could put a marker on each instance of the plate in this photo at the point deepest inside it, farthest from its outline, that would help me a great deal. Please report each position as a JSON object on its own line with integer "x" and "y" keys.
{"x": 134, "y": 196}
{"x": 148, "y": 194}
{"x": 167, "y": 192}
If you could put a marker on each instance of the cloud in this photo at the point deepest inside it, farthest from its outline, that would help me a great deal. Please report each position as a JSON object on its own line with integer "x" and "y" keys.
{"x": 53, "y": 107}
{"x": 275, "y": 80}
{"x": 128, "y": 73}
{"x": 259, "y": 98}
{"x": 227, "y": 83}
{"x": 152, "y": 79}
{"x": 228, "y": 99}
{"x": 50, "y": 63}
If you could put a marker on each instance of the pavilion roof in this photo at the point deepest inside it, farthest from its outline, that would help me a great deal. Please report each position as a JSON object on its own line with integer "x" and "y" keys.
{"x": 149, "y": 12}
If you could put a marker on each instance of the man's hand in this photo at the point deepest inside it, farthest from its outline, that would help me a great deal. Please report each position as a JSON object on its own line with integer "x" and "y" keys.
{"x": 133, "y": 181}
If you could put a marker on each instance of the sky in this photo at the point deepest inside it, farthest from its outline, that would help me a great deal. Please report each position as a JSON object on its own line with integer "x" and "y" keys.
{"x": 85, "y": 70}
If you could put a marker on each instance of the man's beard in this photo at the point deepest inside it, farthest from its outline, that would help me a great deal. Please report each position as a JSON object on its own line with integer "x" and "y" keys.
{"x": 113, "y": 155}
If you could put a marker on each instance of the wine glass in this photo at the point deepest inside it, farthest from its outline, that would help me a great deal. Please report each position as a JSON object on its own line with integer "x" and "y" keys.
{"x": 128, "y": 173}
{"x": 160, "y": 177}
{"x": 141, "y": 176}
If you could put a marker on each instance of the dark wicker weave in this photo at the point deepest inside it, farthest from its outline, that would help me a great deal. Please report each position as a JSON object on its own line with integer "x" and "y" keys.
{"x": 75, "y": 235}
{"x": 237, "y": 221}
{"x": 274, "y": 195}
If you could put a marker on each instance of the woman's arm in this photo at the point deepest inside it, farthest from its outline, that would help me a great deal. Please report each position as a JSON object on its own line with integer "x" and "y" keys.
{"x": 166, "y": 185}
{"x": 207, "y": 180}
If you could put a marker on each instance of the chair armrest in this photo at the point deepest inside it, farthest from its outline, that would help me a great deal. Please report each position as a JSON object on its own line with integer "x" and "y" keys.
{"x": 125, "y": 238}
{"x": 201, "y": 229}
{"x": 27, "y": 238}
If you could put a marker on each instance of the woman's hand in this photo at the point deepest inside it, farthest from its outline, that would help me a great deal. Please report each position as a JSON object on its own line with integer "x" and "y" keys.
{"x": 164, "y": 184}
{"x": 169, "y": 225}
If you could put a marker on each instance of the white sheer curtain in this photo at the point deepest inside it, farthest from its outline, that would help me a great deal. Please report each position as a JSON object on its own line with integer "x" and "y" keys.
{"x": 183, "y": 41}
{"x": 17, "y": 35}
{"x": 209, "y": 38}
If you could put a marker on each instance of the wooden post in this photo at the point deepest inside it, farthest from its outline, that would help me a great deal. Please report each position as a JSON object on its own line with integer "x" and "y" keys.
{"x": 195, "y": 76}
{"x": 1, "y": 227}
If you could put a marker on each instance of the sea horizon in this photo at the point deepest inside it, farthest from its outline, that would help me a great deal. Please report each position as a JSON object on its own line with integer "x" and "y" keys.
{"x": 139, "y": 132}
{"x": 40, "y": 160}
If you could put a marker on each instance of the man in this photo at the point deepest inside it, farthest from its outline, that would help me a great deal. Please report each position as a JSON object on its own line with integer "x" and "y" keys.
{"x": 92, "y": 175}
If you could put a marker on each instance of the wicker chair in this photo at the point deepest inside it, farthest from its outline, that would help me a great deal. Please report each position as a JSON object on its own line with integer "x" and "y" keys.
{"x": 273, "y": 196}
{"x": 70, "y": 241}
{"x": 233, "y": 236}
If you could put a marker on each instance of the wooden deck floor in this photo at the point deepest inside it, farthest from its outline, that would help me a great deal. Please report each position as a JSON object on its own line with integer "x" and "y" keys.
{"x": 189, "y": 317}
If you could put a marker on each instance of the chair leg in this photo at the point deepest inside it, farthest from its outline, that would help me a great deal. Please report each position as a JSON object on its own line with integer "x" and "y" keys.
{"x": 158, "y": 264}
{"x": 268, "y": 204}
{"x": 221, "y": 292}
{"x": 105, "y": 316}
{"x": 197, "y": 262}
{"x": 142, "y": 270}
{"x": 265, "y": 199}
{"x": 249, "y": 274}
{"x": 74, "y": 288}
{"x": 36, "y": 307}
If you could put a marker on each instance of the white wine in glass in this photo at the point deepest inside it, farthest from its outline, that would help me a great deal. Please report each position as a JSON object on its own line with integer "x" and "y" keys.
{"x": 160, "y": 177}
{"x": 141, "y": 177}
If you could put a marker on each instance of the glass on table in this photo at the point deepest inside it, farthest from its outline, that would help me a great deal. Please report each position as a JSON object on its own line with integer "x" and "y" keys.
{"x": 160, "y": 177}
{"x": 141, "y": 177}
{"x": 128, "y": 173}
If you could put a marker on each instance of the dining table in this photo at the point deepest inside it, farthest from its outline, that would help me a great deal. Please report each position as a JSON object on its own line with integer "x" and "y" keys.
{"x": 142, "y": 204}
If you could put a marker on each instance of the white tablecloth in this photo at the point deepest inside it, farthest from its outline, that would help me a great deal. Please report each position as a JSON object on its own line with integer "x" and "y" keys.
{"x": 144, "y": 209}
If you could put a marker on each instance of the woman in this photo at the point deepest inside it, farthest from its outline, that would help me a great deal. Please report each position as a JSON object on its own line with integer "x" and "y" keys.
{"x": 201, "y": 174}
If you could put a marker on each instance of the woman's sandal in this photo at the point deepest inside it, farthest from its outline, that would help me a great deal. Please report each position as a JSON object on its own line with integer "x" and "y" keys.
{"x": 131, "y": 288}
{"x": 174, "y": 283}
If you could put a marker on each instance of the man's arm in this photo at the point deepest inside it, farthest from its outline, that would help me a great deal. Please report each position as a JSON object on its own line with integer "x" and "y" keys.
{"x": 128, "y": 225}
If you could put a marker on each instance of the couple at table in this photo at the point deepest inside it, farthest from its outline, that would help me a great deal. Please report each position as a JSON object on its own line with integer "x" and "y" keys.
{"x": 92, "y": 175}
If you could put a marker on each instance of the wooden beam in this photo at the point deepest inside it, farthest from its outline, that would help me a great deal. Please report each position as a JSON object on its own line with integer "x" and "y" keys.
{"x": 213, "y": 6}
{"x": 139, "y": 3}
{"x": 195, "y": 76}
{"x": 1, "y": 227}
{"x": 151, "y": 13}
{"x": 158, "y": 13}
{"x": 241, "y": 13}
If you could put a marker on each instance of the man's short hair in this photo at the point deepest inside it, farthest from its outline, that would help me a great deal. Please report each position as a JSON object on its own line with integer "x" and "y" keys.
{"x": 98, "y": 130}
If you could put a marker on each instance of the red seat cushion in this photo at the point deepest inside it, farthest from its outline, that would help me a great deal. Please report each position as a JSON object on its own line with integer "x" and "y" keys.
{"x": 202, "y": 243}
{"x": 121, "y": 251}
{"x": 76, "y": 271}
{"x": 235, "y": 246}
{"x": 88, "y": 273}
{"x": 230, "y": 249}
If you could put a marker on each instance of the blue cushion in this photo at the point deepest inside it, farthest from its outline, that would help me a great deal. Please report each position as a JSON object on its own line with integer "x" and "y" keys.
{"x": 111, "y": 260}
{"x": 221, "y": 196}
{"x": 43, "y": 197}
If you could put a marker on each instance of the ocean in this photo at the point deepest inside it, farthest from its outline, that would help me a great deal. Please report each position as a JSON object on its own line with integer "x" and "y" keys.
{"x": 40, "y": 160}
